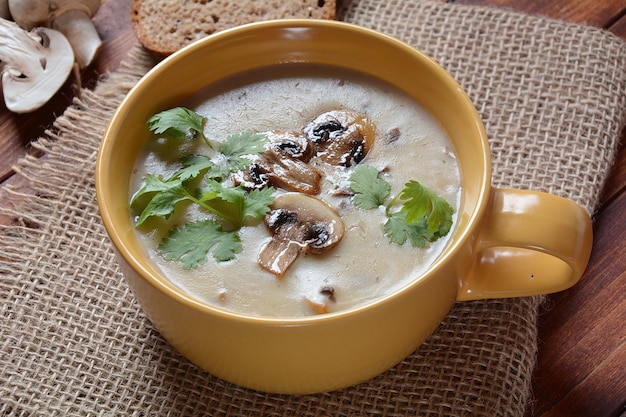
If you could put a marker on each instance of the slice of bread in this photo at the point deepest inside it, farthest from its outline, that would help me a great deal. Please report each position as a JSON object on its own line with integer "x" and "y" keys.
{"x": 165, "y": 26}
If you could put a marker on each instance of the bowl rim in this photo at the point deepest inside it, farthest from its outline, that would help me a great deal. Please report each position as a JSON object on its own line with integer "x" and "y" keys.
{"x": 169, "y": 289}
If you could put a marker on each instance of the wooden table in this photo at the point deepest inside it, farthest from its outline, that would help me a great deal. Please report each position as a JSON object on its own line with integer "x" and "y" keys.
{"x": 582, "y": 354}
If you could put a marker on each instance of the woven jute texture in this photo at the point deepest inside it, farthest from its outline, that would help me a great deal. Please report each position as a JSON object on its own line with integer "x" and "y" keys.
{"x": 73, "y": 341}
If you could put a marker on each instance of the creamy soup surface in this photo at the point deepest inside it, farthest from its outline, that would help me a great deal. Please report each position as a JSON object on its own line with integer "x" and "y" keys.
{"x": 365, "y": 265}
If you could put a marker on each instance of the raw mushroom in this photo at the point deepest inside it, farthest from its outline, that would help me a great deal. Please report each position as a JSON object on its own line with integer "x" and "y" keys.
{"x": 299, "y": 223}
{"x": 34, "y": 65}
{"x": 70, "y": 17}
{"x": 341, "y": 137}
{"x": 284, "y": 165}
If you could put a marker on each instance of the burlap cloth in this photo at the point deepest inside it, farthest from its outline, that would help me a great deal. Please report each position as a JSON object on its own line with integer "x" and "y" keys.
{"x": 75, "y": 343}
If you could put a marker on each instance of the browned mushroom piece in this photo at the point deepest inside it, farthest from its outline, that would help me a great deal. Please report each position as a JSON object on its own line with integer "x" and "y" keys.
{"x": 284, "y": 165}
{"x": 299, "y": 223}
{"x": 289, "y": 144}
{"x": 341, "y": 137}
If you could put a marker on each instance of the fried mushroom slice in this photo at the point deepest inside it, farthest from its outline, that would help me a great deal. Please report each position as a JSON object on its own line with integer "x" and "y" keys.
{"x": 341, "y": 137}
{"x": 290, "y": 145}
{"x": 299, "y": 224}
{"x": 283, "y": 164}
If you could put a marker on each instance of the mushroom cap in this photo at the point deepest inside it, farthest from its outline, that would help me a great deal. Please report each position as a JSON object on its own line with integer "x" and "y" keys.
{"x": 341, "y": 137}
{"x": 32, "y": 13}
{"x": 34, "y": 65}
{"x": 290, "y": 144}
{"x": 299, "y": 223}
{"x": 283, "y": 164}
{"x": 70, "y": 17}
{"x": 313, "y": 211}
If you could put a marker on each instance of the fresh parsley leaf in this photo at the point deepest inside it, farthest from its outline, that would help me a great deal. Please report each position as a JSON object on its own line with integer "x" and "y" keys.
{"x": 236, "y": 196}
{"x": 420, "y": 202}
{"x": 235, "y": 204}
{"x": 193, "y": 165}
{"x": 229, "y": 206}
{"x": 238, "y": 146}
{"x": 163, "y": 203}
{"x": 151, "y": 183}
{"x": 398, "y": 230}
{"x": 220, "y": 170}
{"x": 423, "y": 217}
{"x": 228, "y": 246}
{"x": 243, "y": 143}
{"x": 177, "y": 123}
{"x": 370, "y": 191}
{"x": 258, "y": 203}
{"x": 192, "y": 242}
{"x": 233, "y": 195}
{"x": 224, "y": 202}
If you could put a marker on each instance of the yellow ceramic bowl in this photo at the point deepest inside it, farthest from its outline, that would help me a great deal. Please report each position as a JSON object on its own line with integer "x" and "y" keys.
{"x": 506, "y": 243}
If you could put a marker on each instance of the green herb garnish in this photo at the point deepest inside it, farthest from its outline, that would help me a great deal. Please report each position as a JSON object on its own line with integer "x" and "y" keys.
{"x": 178, "y": 123}
{"x": 423, "y": 216}
{"x": 192, "y": 242}
{"x": 200, "y": 181}
{"x": 370, "y": 191}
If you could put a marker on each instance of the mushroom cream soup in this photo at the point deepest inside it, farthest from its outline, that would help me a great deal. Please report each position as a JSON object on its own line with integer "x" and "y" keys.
{"x": 408, "y": 144}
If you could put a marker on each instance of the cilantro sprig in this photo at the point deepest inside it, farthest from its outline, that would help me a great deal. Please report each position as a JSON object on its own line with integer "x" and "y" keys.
{"x": 423, "y": 216}
{"x": 370, "y": 191}
{"x": 178, "y": 123}
{"x": 191, "y": 243}
{"x": 201, "y": 181}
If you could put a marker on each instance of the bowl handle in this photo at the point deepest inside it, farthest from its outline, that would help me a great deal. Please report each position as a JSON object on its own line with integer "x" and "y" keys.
{"x": 530, "y": 243}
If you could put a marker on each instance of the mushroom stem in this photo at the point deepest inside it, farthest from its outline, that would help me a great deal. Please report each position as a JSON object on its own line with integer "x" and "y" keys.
{"x": 278, "y": 255}
{"x": 79, "y": 29}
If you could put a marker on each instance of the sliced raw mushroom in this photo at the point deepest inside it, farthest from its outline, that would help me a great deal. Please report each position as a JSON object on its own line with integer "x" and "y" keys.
{"x": 341, "y": 137}
{"x": 284, "y": 165}
{"x": 70, "y": 17}
{"x": 34, "y": 65}
{"x": 299, "y": 224}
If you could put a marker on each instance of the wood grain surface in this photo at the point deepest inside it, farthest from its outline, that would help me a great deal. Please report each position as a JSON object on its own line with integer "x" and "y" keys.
{"x": 581, "y": 367}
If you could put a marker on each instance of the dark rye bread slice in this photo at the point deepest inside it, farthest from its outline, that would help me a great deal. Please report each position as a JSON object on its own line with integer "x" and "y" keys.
{"x": 164, "y": 27}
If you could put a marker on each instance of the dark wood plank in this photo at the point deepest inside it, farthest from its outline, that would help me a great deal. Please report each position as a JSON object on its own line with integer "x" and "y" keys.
{"x": 582, "y": 330}
{"x": 113, "y": 23}
{"x": 598, "y": 13}
{"x": 18, "y": 130}
{"x": 617, "y": 181}
{"x": 619, "y": 26}
{"x": 601, "y": 394}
